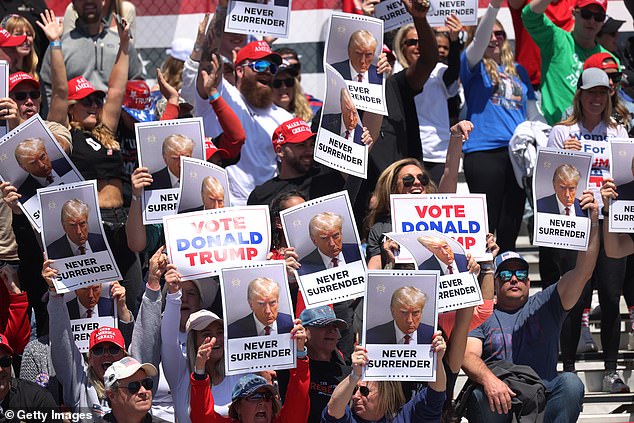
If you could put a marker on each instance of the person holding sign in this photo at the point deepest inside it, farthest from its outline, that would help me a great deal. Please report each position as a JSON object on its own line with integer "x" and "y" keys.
{"x": 563, "y": 201}
{"x": 253, "y": 397}
{"x": 326, "y": 234}
{"x": 384, "y": 401}
{"x": 443, "y": 257}
{"x": 77, "y": 240}
{"x": 345, "y": 123}
{"x": 174, "y": 146}
{"x": 359, "y": 67}
{"x": 520, "y": 321}
{"x": 590, "y": 128}
{"x": 265, "y": 319}
{"x": 32, "y": 157}
{"x": 406, "y": 306}
{"x": 499, "y": 93}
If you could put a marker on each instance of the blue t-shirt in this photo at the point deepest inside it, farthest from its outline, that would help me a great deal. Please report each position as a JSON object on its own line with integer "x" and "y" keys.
{"x": 528, "y": 336}
{"x": 494, "y": 111}
{"x": 424, "y": 407}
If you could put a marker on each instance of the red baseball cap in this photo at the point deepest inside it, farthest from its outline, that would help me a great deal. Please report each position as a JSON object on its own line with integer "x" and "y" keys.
{"x": 8, "y": 40}
{"x": 293, "y": 131}
{"x": 597, "y": 60}
{"x": 257, "y": 50}
{"x": 601, "y": 3}
{"x": 4, "y": 342}
{"x": 80, "y": 87}
{"x": 106, "y": 334}
{"x": 19, "y": 77}
{"x": 211, "y": 149}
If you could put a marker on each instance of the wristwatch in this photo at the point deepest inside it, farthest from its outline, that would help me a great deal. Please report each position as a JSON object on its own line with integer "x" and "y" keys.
{"x": 486, "y": 266}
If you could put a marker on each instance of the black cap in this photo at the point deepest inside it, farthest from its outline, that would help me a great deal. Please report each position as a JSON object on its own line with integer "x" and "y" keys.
{"x": 611, "y": 26}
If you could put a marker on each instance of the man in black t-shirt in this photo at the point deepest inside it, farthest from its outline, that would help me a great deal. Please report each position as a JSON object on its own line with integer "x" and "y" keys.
{"x": 294, "y": 143}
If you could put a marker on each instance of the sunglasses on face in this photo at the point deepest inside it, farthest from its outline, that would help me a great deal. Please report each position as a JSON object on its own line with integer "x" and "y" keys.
{"x": 99, "y": 350}
{"x": 507, "y": 275}
{"x": 260, "y": 397}
{"x": 500, "y": 35}
{"x": 289, "y": 82}
{"x": 364, "y": 390}
{"x": 134, "y": 387}
{"x": 587, "y": 14}
{"x": 261, "y": 66}
{"x": 408, "y": 180}
{"x": 6, "y": 361}
{"x": 90, "y": 100}
{"x": 23, "y": 95}
{"x": 411, "y": 42}
{"x": 615, "y": 77}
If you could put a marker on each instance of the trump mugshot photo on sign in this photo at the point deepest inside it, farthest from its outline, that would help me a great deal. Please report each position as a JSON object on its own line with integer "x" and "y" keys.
{"x": 324, "y": 235}
{"x": 399, "y": 321}
{"x": 160, "y": 146}
{"x": 204, "y": 186}
{"x": 258, "y": 318}
{"x": 560, "y": 178}
{"x": 73, "y": 236}
{"x": 30, "y": 159}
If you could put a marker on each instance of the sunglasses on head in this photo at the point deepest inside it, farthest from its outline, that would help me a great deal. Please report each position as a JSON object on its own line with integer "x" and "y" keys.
{"x": 134, "y": 387}
{"x": 99, "y": 350}
{"x": 588, "y": 14}
{"x": 23, "y": 95}
{"x": 364, "y": 390}
{"x": 289, "y": 82}
{"x": 90, "y": 100}
{"x": 500, "y": 35}
{"x": 260, "y": 396}
{"x": 6, "y": 361}
{"x": 411, "y": 42}
{"x": 261, "y": 66}
{"x": 507, "y": 275}
{"x": 408, "y": 180}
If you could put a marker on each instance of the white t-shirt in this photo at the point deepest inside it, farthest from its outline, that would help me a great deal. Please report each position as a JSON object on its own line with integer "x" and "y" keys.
{"x": 433, "y": 115}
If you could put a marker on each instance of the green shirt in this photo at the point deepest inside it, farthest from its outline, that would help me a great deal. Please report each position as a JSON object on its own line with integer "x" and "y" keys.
{"x": 562, "y": 62}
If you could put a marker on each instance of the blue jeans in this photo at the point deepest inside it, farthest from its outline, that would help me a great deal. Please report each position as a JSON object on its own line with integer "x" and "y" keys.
{"x": 564, "y": 398}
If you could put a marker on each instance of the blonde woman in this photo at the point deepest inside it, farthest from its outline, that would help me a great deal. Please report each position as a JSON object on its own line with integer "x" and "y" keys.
{"x": 497, "y": 90}
{"x": 287, "y": 92}
{"x": 25, "y": 56}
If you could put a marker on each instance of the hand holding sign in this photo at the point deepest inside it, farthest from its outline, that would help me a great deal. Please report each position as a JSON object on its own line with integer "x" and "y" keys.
{"x": 589, "y": 204}
{"x": 454, "y": 26}
{"x": 572, "y": 143}
{"x": 10, "y": 196}
{"x": 141, "y": 178}
{"x": 383, "y": 65}
{"x": 118, "y": 293}
{"x": 359, "y": 360}
{"x": 49, "y": 274}
{"x": 299, "y": 334}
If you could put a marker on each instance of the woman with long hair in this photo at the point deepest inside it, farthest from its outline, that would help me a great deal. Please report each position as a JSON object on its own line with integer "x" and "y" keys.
{"x": 354, "y": 400}
{"x": 93, "y": 118}
{"x": 25, "y": 57}
{"x": 287, "y": 92}
{"x": 497, "y": 91}
{"x": 591, "y": 119}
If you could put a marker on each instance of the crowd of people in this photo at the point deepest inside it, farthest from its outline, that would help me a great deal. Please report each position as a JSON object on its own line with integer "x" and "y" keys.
{"x": 453, "y": 93}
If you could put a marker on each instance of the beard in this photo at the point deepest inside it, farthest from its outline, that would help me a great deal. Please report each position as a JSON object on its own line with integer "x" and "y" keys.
{"x": 257, "y": 95}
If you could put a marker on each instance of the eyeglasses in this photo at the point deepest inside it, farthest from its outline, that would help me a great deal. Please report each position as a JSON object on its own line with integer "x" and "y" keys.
{"x": 289, "y": 82}
{"x": 6, "y": 361}
{"x": 90, "y": 100}
{"x": 99, "y": 350}
{"x": 134, "y": 387}
{"x": 411, "y": 42}
{"x": 615, "y": 77}
{"x": 260, "y": 397}
{"x": 520, "y": 274}
{"x": 408, "y": 180}
{"x": 587, "y": 14}
{"x": 23, "y": 95}
{"x": 261, "y": 66}
{"x": 364, "y": 390}
{"x": 500, "y": 35}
